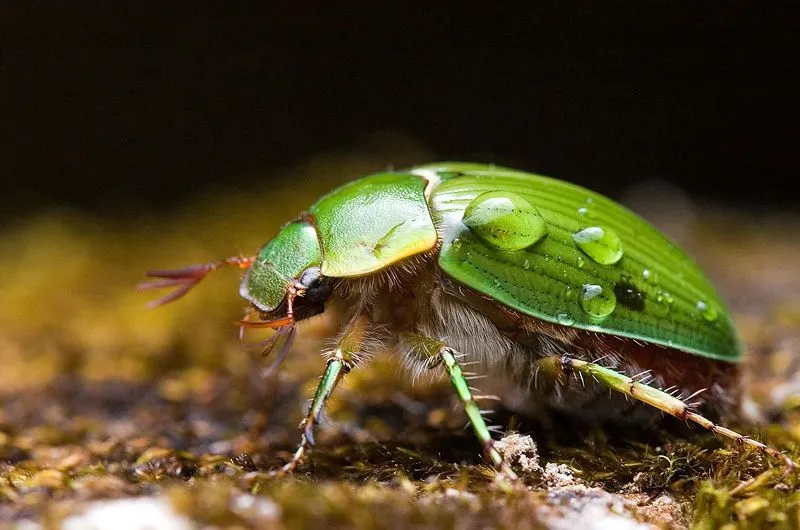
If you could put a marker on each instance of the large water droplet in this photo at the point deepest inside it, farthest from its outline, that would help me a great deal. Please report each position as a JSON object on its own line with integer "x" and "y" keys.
{"x": 565, "y": 319}
{"x": 504, "y": 220}
{"x": 596, "y": 301}
{"x": 600, "y": 244}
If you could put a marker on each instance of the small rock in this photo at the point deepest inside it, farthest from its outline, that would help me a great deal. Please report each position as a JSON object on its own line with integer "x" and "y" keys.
{"x": 558, "y": 476}
{"x": 521, "y": 450}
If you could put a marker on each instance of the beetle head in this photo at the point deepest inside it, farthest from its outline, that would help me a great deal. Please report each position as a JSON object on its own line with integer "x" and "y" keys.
{"x": 285, "y": 276}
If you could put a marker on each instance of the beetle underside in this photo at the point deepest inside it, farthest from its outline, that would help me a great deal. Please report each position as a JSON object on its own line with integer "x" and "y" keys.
{"x": 415, "y": 298}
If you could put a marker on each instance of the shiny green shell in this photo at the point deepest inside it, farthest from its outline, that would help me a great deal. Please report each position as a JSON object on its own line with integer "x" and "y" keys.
{"x": 591, "y": 263}
{"x": 541, "y": 246}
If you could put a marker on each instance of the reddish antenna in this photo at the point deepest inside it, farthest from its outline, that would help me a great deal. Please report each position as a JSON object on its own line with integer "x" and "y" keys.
{"x": 186, "y": 278}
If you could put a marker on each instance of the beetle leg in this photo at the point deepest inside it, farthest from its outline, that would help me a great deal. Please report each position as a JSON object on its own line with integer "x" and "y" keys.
{"x": 342, "y": 360}
{"x": 437, "y": 352}
{"x": 664, "y": 402}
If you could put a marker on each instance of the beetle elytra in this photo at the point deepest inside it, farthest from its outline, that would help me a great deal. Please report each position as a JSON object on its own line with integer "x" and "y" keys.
{"x": 456, "y": 262}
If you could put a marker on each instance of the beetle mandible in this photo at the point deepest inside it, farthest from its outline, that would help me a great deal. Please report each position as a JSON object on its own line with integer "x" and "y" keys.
{"x": 456, "y": 262}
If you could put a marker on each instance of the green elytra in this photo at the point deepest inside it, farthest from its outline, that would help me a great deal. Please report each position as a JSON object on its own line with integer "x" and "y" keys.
{"x": 544, "y": 247}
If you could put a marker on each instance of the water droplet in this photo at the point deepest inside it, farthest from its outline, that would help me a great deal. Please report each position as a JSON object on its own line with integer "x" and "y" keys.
{"x": 456, "y": 244}
{"x": 583, "y": 210}
{"x": 600, "y": 244}
{"x": 707, "y": 310}
{"x": 565, "y": 319}
{"x": 505, "y": 220}
{"x": 569, "y": 293}
{"x": 497, "y": 283}
{"x": 526, "y": 264}
{"x": 581, "y": 262}
{"x": 646, "y": 274}
{"x": 663, "y": 297}
{"x": 596, "y": 301}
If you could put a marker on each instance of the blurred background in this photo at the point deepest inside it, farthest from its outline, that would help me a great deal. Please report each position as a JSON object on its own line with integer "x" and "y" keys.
{"x": 144, "y": 105}
{"x": 154, "y": 135}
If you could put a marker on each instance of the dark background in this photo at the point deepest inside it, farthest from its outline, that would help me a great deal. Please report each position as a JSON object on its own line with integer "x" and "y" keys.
{"x": 105, "y": 106}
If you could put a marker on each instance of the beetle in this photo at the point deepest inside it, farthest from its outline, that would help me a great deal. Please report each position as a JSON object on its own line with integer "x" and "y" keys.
{"x": 449, "y": 263}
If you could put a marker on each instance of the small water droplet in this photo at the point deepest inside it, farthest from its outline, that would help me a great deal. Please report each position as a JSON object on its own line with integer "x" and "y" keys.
{"x": 581, "y": 262}
{"x": 646, "y": 274}
{"x": 596, "y": 301}
{"x": 707, "y": 310}
{"x": 569, "y": 293}
{"x": 601, "y": 244}
{"x": 497, "y": 283}
{"x": 456, "y": 243}
{"x": 565, "y": 319}
{"x": 583, "y": 210}
{"x": 526, "y": 264}
{"x": 504, "y": 220}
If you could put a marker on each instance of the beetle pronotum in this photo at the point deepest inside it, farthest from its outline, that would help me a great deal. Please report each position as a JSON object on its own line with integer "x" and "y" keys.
{"x": 454, "y": 261}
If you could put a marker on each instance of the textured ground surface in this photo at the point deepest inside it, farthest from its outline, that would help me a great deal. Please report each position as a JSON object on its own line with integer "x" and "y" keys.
{"x": 102, "y": 401}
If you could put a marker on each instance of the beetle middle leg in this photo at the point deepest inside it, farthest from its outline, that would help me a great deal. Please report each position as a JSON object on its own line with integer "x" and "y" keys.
{"x": 342, "y": 360}
{"x": 435, "y": 353}
{"x": 660, "y": 400}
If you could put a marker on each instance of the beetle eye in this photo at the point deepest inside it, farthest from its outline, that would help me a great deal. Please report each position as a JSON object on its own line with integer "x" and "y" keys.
{"x": 310, "y": 278}
{"x": 317, "y": 288}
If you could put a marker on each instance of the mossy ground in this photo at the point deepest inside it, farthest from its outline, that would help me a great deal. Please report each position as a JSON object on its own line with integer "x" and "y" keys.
{"x": 103, "y": 399}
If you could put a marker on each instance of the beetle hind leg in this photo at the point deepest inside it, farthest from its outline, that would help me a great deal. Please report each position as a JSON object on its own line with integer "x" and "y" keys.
{"x": 662, "y": 401}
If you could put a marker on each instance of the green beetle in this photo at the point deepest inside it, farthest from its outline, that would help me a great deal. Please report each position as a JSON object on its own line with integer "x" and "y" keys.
{"x": 526, "y": 274}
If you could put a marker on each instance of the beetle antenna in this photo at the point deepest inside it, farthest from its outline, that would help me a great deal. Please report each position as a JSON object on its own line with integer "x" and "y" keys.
{"x": 186, "y": 278}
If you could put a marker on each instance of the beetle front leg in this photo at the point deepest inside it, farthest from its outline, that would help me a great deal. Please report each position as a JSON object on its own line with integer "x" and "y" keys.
{"x": 662, "y": 401}
{"x": 437, "y": 352}
{"x": 341, "y": 361}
